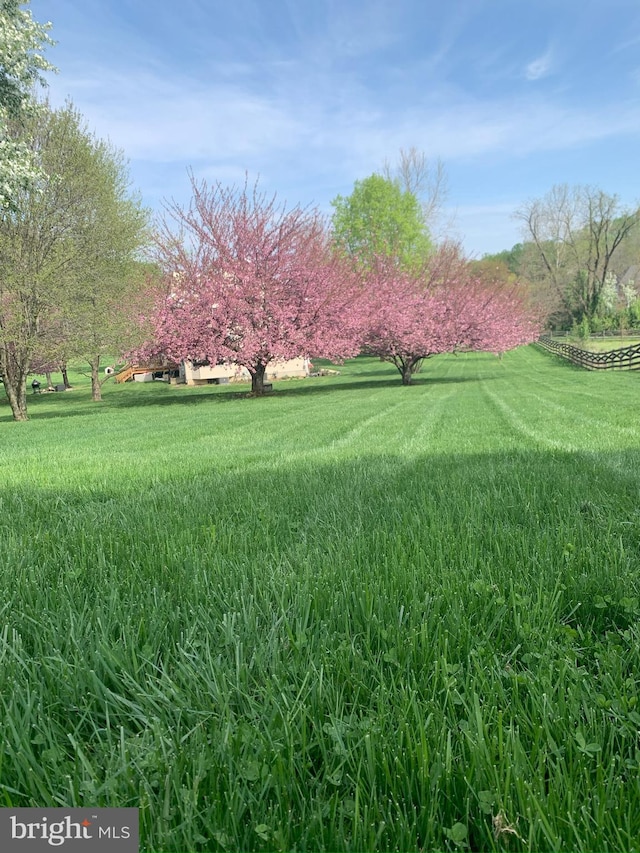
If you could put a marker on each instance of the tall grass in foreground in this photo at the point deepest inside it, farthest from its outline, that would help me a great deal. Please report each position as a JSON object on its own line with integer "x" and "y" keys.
{"x": 349, "y": 616}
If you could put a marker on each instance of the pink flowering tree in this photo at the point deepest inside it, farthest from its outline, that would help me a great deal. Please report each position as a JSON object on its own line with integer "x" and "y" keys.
{"x": 248, "y": 281}
{"x": 441, "y": 308}
{"x": 496, "y": 318}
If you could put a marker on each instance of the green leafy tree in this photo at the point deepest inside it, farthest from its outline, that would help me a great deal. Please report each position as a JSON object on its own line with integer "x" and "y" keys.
{"x": 104, "y": 318}
{"x": 21, "y": 65}
{"x": 511, "y": 258}
{"x": 380, "y": 219}
{"x": 65, "y": 248}
{"x": 492, "y": 268}
{"x": 107, "y": 280}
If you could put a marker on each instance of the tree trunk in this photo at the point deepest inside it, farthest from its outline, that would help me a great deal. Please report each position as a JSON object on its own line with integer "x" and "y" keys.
{"x": 49, "y": 381}
{"x": 17, "y": 400}
{"x": 65, "y": 377}
{"x": 96, "y": 389}
{"x": 14, "y": 372}
{"x": 257, "y": 380}
{"x": 408, "y": 367}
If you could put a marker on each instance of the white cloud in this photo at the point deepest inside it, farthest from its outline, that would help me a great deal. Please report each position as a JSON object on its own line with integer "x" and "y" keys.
{"x": 156, "y": 121}
{"x": 309, "y": 135}
{"x": 187, "y": 122}
{"x": 540, "y": 67}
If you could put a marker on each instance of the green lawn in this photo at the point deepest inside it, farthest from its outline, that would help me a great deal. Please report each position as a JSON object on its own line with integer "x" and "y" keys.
{"x": 346, "y": 616}
{"x": 597, "y": 344}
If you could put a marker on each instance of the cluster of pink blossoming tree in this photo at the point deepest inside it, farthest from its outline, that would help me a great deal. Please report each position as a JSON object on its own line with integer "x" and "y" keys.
{"x": 438, "y": 308}
{"x": 248, "y": 281}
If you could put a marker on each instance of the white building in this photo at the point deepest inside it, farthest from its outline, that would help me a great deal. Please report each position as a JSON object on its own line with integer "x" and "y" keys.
{"x": 219, "y": 374}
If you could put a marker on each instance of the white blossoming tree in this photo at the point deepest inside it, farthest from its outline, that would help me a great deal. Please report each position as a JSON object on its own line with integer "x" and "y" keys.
{"x": 22, "y": 41}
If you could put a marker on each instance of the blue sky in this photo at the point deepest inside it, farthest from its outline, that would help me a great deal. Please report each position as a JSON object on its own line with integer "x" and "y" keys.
{"x": 513, "y": 96}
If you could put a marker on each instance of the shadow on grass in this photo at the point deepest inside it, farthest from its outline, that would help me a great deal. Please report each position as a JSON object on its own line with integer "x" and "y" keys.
{"x": 364, "y": 373}
{"x": 284, "y": 388}
{"x": 392, "y": 505}
{"x": 388, "y": 382}
{"x": 61, "y": 406}
{"x": 280, "y": 612}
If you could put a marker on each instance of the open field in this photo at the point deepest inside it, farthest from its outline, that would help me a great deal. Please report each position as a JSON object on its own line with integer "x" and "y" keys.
{"x": 597, "y": 344}
{"x": 607, "y": 344}
{"x": 347, "y": 616}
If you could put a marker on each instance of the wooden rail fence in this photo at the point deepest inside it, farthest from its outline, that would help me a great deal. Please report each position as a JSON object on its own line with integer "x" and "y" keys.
{"x": 625, "y": 358}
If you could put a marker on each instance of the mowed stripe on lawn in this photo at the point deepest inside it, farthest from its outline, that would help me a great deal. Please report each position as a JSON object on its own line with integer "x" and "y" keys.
{"x": 350, "y": 615}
